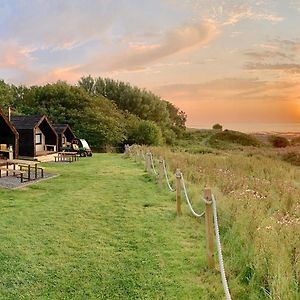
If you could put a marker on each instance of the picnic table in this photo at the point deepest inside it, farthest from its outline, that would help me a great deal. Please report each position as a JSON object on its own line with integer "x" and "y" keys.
{"x": 29, "y": 165}
{"x": 68, "y": 156}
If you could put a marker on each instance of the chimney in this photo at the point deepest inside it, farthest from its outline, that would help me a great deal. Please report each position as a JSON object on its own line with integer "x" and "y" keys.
{"x": 9, "y": 113}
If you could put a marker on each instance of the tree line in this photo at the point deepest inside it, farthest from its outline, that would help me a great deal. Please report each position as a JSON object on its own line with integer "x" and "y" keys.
{"x": 106, "y": 112}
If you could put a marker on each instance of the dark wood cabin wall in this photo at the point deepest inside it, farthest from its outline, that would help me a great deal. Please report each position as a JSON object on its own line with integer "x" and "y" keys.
{"x": 26, "y": 142}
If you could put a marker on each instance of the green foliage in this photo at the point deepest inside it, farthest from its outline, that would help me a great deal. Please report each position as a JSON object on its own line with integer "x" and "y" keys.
{"x": 6, "y": 95}
{"x": 146, "y": 133}
{"x": 96, "y": 119}
{"x": 217, "y": 126}
{"x": 169, "y": 136}
{"x": 279, "y": 141}
{"x": 103, "y": 111}
{"x": 226, "y": 138}
{"x": 139, "y": 102}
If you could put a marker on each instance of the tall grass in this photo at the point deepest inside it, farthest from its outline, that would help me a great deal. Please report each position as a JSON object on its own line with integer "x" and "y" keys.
{"x": 258, "y": 199}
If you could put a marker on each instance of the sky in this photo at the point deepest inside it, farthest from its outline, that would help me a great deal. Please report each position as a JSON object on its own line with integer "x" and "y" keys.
{"x": 232, "y": 62}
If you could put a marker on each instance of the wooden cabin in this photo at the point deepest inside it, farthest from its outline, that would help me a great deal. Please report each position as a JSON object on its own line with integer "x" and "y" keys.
{"x": 65, "y": 135}
{"x": 36, "y": 135}
{"x": 9, "y": 138}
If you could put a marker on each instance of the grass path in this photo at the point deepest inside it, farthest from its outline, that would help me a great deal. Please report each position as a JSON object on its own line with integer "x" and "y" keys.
{"x": 100, "y": 230}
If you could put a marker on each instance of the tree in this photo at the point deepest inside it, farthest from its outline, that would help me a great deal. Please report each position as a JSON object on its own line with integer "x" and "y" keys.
{"x": 217, "y": 127}
{"x": 139, "y": 102}
{"x": 94, "y": 118}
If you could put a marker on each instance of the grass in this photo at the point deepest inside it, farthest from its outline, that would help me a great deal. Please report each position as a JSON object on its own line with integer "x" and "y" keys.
{"x": 102, "y": 230}
{"x": 258, "y": 198}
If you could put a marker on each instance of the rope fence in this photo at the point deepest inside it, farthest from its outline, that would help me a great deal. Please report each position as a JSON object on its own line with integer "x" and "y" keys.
{"x": 166, "y": 176}
{"x": 210, "y": 213}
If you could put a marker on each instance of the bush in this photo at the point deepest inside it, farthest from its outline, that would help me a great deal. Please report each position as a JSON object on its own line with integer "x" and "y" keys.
{"x": 146, "y": 133}
{"x": 169, "y": 136}
{"x": 226, "y": 138}
{"x": 217, "y": 127}
{"x": 292, "y": 157}
{"x": 279, "y": 141}
{"x": 295, "y": 141}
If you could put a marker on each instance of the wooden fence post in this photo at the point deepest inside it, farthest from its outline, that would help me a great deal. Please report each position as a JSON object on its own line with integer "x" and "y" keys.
{"x": 209, "y": 228}
{"x": 135, "y": 154}
{"x": 148, "y": 162}
{"x": 161, "y": 173}
{"x": 178, "y": 192}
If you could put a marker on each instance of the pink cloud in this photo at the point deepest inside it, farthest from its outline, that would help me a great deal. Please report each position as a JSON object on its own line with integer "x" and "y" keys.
{"x": 13, "y": 56}
{"x": 139, "y": 55}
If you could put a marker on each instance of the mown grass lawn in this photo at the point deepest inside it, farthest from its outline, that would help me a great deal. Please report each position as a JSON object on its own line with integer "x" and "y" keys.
{"x": 100, "y": 230}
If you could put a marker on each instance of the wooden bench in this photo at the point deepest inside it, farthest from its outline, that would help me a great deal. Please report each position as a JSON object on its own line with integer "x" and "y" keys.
{"x": 15, "y": 172}
{"x": 30, "y": 165}
{"x": 66, "y": 157}
{"x": 29, "y": 168}
{"x": 63, "y": 158}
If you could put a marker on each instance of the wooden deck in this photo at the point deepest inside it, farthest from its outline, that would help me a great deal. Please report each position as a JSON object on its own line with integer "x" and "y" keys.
{"x": 43, "y": 153}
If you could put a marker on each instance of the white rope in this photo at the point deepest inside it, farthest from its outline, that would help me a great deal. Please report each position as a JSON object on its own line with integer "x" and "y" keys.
{"x": 188, "y": 200}
{"x": 219, "y": 248}
{"x": 206, "y": 201}
{"x": 152, "y": 164}
{"x": 167, "y": 178}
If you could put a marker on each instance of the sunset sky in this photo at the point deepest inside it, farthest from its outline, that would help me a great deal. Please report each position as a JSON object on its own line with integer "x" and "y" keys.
{"x": 233, "y": 62}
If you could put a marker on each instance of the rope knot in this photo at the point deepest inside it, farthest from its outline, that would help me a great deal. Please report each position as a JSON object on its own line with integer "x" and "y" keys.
{"x": 178, "y": 174}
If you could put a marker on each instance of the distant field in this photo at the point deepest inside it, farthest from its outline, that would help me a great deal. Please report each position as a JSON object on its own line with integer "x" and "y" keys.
{"x": 101, "y": 230}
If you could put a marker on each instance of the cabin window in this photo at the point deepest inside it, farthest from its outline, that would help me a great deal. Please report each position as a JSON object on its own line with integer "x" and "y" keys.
{"x": 38, "y": 139}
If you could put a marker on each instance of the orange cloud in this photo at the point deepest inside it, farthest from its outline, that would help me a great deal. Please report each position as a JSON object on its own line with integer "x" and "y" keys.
{"x": 138, "y": 56}
{"x": 285, "y": 67}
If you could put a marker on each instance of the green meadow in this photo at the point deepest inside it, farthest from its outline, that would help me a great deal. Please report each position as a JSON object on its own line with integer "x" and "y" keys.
{"x": 101, "y": 230}
{"x": 259, "y": 214}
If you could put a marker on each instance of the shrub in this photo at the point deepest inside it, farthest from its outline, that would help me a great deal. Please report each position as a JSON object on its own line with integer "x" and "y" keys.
{"x": 292, "y": 157}
{"x": 146, "y": 133}
{"x": 169, "y": 136}
{"x": 279, "y": 141}
{"x": 226, "y": 138}
{"x": 295, "y": 141}
{"x": 217, "y": 127}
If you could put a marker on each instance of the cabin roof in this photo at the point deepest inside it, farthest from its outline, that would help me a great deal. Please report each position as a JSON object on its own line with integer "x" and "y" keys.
{"x": 26, "y": 122}
{"x": 9, "y": 124}
{"x": 60, "y": 128}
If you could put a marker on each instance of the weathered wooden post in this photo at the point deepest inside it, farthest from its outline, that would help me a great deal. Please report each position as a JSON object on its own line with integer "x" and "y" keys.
{"x": 135, "y": 153}
{"x": 161, "y": 173}
{"x": 209, "y": 228}
{"x": 148, "y": 162}
{"x": 126, "y": 150}
{"x": 178, "y": 192}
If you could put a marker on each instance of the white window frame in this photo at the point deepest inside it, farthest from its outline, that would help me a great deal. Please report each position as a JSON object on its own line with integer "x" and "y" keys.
{"x": 38, "y": 139}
